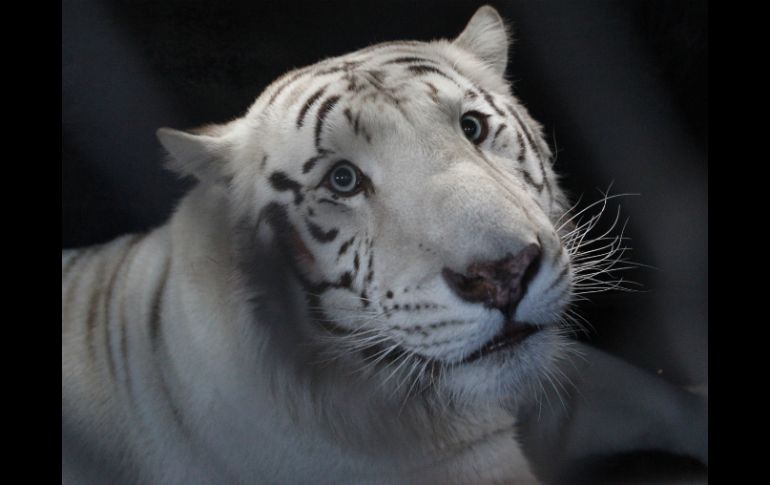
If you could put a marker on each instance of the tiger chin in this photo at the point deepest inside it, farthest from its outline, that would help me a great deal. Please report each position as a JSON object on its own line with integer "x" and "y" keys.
{"x": 366, "y": 283}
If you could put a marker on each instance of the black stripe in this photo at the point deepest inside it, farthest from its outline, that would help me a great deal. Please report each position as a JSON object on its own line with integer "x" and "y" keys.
{"x": 95, "y": 305}
{"x": 281, "y": 182}
{"x": 491, "y": 101}
{"x": 377, "y": 76}
{"x": 528, "y": 178}
{"x": 108, "y": 303}
{"x": 356, "y": 123}
{"x": 345, "y": 246}
{"x": 535, "y": 147}
{"x": 310, "y": 164}
{"x": 158, "y": 347}
{"x": 323, "y": 111}
{"x": 124, "y": 341}
{"x": 522, "y": 147}
{"x": 524, "y": 127}
{"x": 290, "y": 79}
{"x": 370, "y": 267}
{"x": 308, "y": 104}
{"x": 348, "y": 116}
{"x": 433, "y": 92}
{"x": 409, "y": 60}
{"x": 497, "y": 132}
{"x": 421, "y": 69}
{"x": 319, "y": 234}
{"x": 124, "y": 353}
{"x": 156, "y": 307}
{"x": 545, "y": 177}
{"x": 328, "y": 201}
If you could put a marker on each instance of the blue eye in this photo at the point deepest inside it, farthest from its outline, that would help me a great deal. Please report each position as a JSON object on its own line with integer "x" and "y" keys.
{"x": 344, "y": 178}
{"x": 474, "y": 126}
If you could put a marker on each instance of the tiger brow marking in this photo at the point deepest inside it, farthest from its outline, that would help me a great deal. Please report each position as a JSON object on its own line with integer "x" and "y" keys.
{"x": 308, "y": 104}
{"x": 323, "y": 111}
{"x": 108, "y": 303}
{"x": 310, "y": 164}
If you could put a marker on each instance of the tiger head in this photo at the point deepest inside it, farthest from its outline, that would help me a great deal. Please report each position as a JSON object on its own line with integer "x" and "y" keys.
{"x": 415, "y": 198}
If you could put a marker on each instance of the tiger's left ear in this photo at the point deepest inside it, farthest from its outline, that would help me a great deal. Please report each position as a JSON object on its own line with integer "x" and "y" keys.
{"x": 203, "y": 155}
{"x": 487, "y": 37}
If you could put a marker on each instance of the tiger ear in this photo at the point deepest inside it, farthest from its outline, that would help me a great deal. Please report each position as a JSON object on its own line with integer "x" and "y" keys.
{"x": 201, "y": 155}
{"x": 487, "y": 37}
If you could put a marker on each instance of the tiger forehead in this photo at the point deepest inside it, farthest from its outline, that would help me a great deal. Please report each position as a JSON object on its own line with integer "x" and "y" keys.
{"x": 384, "y": 74}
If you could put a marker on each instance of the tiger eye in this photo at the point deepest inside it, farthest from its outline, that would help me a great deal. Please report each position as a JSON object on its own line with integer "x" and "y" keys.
{"x": 474, "y": 126}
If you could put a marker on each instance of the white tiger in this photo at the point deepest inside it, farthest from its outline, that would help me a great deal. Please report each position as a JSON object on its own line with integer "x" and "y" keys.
{"x": 364, "y": 286}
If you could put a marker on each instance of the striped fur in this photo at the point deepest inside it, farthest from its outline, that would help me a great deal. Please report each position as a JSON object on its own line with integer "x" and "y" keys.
{"x": 275, "y": 331}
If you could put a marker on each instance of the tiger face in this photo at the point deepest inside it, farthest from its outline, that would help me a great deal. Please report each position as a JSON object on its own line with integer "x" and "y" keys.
{"x": 415, "y": 199}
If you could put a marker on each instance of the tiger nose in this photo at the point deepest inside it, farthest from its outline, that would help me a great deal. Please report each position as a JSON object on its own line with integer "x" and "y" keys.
{"x": 497, "y": 284}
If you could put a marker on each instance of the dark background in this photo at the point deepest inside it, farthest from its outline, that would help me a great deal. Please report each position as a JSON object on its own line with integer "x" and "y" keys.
{"x": 621, "y": 88}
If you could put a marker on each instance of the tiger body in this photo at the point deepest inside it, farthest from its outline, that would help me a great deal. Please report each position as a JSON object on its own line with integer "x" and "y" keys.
{"x": 279, "y": 330}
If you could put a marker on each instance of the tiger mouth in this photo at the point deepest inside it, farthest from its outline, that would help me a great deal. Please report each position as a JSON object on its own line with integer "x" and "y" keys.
{"x": 512, "y": 334}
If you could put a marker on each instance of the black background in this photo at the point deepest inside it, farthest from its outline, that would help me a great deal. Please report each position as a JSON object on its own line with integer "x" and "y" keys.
{"x": 621, "y": 88}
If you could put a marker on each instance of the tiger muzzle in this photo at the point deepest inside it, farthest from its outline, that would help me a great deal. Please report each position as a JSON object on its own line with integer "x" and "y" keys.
{"x": 498, "y": 284}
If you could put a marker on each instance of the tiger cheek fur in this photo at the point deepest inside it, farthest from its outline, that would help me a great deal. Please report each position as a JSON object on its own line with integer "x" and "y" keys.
{"x": 305, "y": 283}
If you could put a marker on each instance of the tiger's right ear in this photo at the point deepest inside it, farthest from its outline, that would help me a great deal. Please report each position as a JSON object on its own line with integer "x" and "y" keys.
{"x": 203, "y": 156}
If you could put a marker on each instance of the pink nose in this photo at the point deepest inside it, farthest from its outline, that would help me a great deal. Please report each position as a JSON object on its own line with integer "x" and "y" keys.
{"x": 497, "y": 284}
